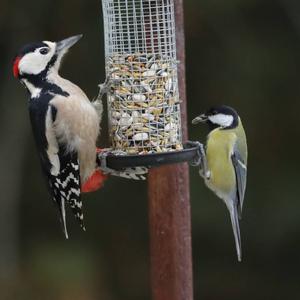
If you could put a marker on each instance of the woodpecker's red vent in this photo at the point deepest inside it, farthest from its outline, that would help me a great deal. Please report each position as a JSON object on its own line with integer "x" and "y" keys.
{"x": 16, "y": 66}
{"x": 94, "y": 183}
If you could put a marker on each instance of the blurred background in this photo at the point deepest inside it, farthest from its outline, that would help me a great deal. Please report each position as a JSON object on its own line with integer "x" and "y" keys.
{"x": 239, "y": 52}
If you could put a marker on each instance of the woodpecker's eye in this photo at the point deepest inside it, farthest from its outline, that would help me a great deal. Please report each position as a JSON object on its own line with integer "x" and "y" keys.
{"x": 44, "y": 51}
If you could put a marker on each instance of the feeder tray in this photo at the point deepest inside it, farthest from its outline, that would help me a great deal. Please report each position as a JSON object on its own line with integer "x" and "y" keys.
{"x": 191, "y": 153}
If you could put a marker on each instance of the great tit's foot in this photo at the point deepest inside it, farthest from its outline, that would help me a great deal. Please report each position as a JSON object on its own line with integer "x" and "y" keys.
{"x": 197, "y": 159}
{"x": 200, "y": 160}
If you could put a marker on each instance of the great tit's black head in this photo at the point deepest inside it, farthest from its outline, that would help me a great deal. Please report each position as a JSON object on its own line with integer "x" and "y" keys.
{"x": 219, "y": 116}
{"x": 40, "y": 58}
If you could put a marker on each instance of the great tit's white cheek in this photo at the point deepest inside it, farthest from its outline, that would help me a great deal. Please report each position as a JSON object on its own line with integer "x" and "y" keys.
{"x": 221, "y": 119}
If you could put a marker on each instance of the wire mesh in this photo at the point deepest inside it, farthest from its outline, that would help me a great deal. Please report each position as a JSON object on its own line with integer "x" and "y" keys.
{"x": 141, "y": 67}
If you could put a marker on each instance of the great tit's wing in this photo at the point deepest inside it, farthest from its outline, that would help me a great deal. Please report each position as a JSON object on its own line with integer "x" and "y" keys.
{"x": 241, "y": 177}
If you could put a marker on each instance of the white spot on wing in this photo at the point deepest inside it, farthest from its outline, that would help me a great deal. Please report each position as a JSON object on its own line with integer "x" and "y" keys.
{"x": 242, "y": 165}
{"x": 52, "y": 150}
{"x": 75, "y": 166}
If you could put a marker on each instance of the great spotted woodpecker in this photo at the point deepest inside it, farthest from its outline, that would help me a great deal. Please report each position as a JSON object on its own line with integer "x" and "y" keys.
{"x": 64, "y": 122}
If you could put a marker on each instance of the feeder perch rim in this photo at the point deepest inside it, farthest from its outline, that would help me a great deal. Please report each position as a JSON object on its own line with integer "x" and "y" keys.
{"x": 191, "y": 152}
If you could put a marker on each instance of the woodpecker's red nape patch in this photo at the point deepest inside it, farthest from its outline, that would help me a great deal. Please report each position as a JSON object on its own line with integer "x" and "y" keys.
{"x": 16, "y": 66}
{"x": 94, "y": 183}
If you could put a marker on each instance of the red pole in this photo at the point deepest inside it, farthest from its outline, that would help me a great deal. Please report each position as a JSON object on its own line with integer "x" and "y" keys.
{"x": 169, "y": 209}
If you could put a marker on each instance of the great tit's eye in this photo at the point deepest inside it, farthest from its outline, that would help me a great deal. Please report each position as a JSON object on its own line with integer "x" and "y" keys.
{"x": 44, "y": 51}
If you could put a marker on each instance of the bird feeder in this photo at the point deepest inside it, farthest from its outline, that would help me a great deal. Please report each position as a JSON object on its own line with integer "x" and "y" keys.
{"x": 142, "y": 86}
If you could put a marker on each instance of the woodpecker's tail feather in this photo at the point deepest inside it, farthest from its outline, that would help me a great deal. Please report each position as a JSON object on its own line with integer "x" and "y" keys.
{"x": 236, "y": 230}
{"x": 62, "y": 211}
{"x": 65, "y": 188}
{"x": 76, "y": 207}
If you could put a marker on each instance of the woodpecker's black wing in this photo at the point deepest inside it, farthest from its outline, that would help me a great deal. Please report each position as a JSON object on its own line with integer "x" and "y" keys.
{"x": 60, "y": 166}
{"x": 241, "y": 177}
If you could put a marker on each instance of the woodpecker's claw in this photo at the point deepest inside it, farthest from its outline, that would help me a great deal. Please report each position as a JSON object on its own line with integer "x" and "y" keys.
{"x": 135, "y": 173}
{"x": 102, "y": 157}
{"x": 103, "y": 88}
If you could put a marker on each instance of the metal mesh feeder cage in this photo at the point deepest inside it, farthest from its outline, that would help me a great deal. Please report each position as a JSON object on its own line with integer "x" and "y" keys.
{"x": 141, "y": 71}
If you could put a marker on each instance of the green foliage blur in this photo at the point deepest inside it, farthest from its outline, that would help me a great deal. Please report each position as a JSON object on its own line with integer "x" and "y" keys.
{"x": 238, "y": 52}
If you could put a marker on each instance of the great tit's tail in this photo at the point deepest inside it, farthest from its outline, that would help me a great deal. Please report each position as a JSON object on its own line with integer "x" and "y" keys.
{"x": 236, "y": 230}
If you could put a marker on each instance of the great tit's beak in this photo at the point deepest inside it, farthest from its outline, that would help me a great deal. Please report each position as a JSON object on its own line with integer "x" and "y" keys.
{"x": 200, "y": 119}
{"x": 63, "y": 46}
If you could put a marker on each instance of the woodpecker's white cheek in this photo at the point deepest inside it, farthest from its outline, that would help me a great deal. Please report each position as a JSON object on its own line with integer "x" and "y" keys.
{"x": 34, "y": 63}
{"x": 221, "y": 119}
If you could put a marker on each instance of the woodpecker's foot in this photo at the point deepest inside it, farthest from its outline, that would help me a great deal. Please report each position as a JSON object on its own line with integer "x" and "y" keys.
{"x": 101, "y": 158}
{"x": 103, "y": 88}
{"x": 94, "y": 182}
{"x": 135, "y": 173}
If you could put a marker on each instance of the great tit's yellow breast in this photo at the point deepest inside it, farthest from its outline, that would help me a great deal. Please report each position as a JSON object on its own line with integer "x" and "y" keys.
{"x": 218, "y": 153}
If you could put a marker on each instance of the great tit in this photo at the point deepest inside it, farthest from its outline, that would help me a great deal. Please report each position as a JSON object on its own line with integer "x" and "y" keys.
{"x": 224, "y": 164}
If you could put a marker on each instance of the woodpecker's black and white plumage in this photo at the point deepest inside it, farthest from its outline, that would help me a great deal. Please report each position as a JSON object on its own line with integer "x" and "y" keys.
{"x": 65, "y": 123}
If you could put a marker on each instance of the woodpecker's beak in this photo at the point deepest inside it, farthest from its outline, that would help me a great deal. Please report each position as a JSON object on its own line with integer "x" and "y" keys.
{"x": 200, "y": 119}
{"x": 64, "y": 45}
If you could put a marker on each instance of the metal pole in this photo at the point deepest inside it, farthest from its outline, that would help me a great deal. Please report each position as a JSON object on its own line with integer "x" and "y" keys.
{"x": 169, "y": 209}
